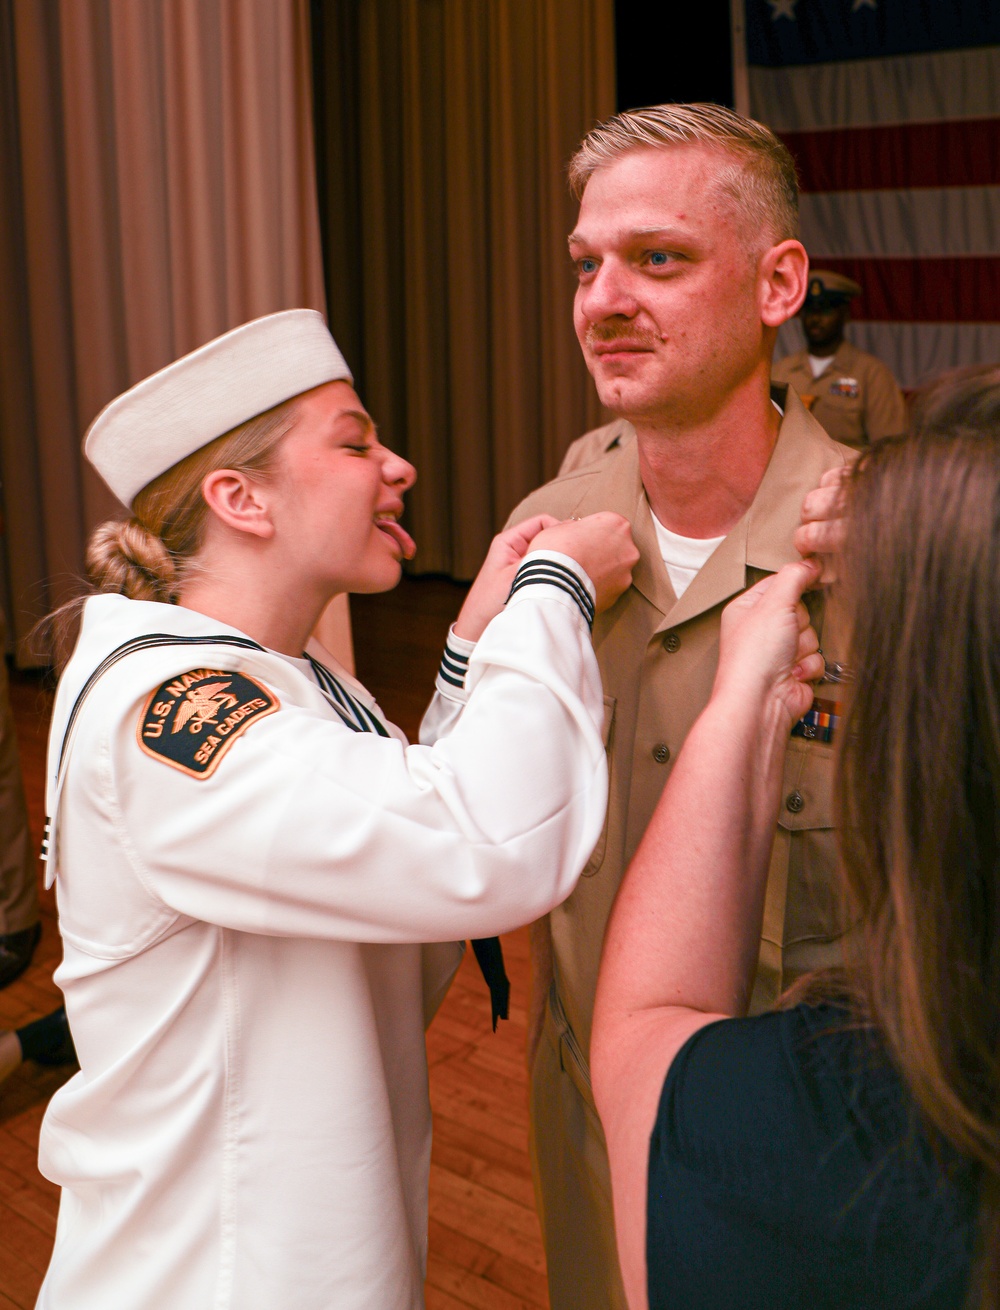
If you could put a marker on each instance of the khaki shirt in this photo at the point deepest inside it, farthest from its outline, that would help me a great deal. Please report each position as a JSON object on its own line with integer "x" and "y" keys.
{"x": 855, "y": 397}
{"x": 657, "y": 657}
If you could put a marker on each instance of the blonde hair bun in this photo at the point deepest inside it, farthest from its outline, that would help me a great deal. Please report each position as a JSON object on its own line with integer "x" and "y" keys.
{"x": 124, "y": 557}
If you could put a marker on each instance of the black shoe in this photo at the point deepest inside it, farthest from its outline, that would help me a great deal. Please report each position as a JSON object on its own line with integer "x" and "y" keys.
{"x": 16, "y": 950}
{"x": 47, "y": 1041}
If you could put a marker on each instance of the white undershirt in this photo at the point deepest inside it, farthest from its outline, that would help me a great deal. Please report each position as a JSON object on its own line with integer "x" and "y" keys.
{"x": 683, "y": 556}
{"x": 818, "y": 363}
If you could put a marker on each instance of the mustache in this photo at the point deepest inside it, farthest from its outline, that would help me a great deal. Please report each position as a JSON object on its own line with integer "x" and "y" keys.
{"x": 605, "y": 334}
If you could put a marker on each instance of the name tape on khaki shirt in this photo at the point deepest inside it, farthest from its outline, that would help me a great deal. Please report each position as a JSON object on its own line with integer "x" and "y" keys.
{"x": 192, "y": 720}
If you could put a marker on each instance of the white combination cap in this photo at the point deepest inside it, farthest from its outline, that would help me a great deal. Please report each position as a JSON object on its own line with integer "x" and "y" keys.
{"x": 169, "y": 415}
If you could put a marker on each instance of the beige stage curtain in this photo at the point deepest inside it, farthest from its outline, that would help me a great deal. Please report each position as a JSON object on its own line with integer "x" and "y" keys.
{"x": 158, "y": 183}
{"x": 444, "y": 127}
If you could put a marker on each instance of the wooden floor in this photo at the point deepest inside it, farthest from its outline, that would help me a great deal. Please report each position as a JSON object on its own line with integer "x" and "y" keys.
{"x": 485, "y": 1246}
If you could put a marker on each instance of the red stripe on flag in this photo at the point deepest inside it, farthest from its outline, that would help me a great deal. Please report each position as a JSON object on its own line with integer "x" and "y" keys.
{"x": 962, "y": 290}
{"x": 959, "y": 153}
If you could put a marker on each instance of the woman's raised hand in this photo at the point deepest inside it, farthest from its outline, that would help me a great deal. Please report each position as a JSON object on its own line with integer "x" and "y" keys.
{"x": 824, "y": 521}
{"x": 603, "y": 547}
{"x": 768, "y": 651}
{"x": 600, "y": 543}
{"x": 488, "y": 594}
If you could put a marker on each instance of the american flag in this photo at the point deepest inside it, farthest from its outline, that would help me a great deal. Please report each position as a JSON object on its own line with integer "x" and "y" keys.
{"x": 892, "y": 111}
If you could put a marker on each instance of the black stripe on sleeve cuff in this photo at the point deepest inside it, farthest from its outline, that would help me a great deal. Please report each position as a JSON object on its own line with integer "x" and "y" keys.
{"x": 558, "y": 575}
{"x": 454, "y": 666}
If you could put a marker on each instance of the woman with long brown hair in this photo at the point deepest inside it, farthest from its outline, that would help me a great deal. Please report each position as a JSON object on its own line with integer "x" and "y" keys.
{"x": 260, "y": 882}
{"x": 843, "y": 1151}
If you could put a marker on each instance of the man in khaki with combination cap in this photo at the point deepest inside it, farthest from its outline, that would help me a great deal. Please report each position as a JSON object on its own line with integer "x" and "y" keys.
{"x": 688, "y": 262}
{"x": 850, "y": 392}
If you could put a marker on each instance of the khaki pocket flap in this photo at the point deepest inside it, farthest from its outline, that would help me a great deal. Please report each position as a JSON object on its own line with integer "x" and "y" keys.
{"x": 807, "y": 795}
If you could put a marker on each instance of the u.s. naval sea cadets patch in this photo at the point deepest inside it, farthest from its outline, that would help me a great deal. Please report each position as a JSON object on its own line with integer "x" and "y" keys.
{"x": 192, "y": 720}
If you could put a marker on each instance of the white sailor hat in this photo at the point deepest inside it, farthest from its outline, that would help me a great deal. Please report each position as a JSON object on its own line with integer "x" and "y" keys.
{"x": 169, "y": 415}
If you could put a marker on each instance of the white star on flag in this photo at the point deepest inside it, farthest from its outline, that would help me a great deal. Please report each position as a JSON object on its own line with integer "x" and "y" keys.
{"x": 783, "y": 9}
{"x": 863, "y": 4}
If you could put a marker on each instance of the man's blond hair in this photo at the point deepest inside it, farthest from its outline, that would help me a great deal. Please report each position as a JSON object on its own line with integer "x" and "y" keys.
{"x": 760, "y": 182}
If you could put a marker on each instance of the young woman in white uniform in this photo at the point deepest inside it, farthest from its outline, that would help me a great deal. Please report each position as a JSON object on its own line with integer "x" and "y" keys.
{"x": 248, "y": 857}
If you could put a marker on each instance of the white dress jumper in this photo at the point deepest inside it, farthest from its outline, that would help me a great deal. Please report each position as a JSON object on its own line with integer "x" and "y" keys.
{"x": 243, "y": 963}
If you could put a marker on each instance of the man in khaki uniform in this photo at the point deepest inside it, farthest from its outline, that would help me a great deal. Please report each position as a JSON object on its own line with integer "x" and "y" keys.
{"x": 850, "y": 392}
{"x": 687, "y": 263}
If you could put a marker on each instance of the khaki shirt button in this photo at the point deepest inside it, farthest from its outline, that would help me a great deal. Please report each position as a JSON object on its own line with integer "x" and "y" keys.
{"x": 671, "y": 643}
{"x": 661, "y": 753}
{"x": 794, "y": 802}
